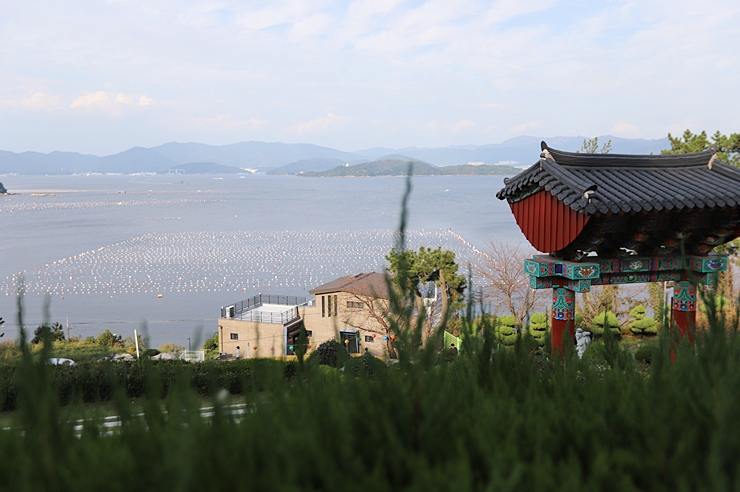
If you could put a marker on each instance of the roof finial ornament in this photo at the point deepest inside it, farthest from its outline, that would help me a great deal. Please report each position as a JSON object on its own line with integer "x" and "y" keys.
{"x": 589, "y": 191}
{"x": 711, "y": 160}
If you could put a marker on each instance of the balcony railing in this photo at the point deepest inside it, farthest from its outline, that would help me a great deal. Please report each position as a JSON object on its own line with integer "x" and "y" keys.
{"x": 245, "y": 310}
{"x": 282, "y": 318}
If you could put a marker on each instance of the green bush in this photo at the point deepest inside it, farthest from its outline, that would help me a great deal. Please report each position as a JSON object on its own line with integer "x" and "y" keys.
{"x": 644, "y": 354}
{"x": 642, "y": 325}
{"x": 505, "y": 330}
{"x": 150, "y": 352}
{"x": 595, "y": 353}
{"x": 98, "y": 381}
{"x": 327, "y": 353}
{"x": 55, "y": 333}
{"x": 538, "y": 327}
{"x": 612, "y": 324}
{"x": 210, "y": 347}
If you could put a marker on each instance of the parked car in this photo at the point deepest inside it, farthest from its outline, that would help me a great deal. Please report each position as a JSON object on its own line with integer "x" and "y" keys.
{"x": 59, "y": 361}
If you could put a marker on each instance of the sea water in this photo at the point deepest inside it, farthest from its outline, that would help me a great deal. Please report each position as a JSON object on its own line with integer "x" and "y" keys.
{"x": 103, "y": 249}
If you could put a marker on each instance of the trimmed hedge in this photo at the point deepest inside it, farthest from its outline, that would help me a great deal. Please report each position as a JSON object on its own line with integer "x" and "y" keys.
{"x": 98, "y": 381}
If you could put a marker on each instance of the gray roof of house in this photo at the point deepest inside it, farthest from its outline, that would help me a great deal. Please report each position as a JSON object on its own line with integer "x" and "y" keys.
{"x": 368, "y": 284}
{"x": 628, "y": 183}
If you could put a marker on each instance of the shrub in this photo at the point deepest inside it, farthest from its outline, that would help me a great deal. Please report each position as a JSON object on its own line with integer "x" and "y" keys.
{"x": 642, "y": 325}
{"x": 55, "y": 333}
{"x": 644, "y": 354}
{"x": 595, "y": 353}
{"x": 150, "y": 352}
{"x": 538, "y": 327}
{"x": 327, "y": 353}
{"x": 108, "y": 339}
{"x": 506, "y": 330}
{"x": 210, "y": 346}
{"x": 612, "y": 324}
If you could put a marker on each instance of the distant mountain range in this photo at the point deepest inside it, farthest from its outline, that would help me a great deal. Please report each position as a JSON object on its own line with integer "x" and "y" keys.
{"x": 282, "y": 158}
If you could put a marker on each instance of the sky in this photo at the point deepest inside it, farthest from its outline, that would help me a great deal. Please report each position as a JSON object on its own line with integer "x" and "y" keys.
{"x": 103, "y": 76}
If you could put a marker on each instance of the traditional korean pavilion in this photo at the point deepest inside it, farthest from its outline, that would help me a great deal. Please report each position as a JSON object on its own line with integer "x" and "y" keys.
{"x": 620, "y": 219}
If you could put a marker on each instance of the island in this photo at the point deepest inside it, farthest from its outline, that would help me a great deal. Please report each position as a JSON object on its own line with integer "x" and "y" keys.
{"x": 3, "y": 190}
{"x": 400, "y": 167}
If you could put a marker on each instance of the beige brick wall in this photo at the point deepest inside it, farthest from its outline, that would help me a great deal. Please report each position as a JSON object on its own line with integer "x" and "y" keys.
{"x": 255, "y": 339}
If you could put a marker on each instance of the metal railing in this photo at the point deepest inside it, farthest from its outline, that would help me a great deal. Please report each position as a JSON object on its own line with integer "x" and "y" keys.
{"x": 244, "y": 310}
{"x": 282, "y": 318}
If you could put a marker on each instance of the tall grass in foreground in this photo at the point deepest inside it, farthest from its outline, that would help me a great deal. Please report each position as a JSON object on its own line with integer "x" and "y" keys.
{"x": 488, "y": 419}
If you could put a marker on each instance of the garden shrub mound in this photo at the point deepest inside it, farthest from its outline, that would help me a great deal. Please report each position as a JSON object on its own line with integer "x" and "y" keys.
{"x": 598, "y": 326}
{"x": 538, "y": 328}
{"x": 642, "y": 324}
{"x": 506, "y": 330}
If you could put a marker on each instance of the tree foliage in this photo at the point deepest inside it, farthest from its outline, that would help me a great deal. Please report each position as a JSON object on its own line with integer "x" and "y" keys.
{"x": 210, "y": 346}
{"x": 598, "y": 325}
{"x": 591, "y": 146}
{"x": 327, "y": 353}
{"x": 642, "y": 324}
{"x": 425, "y": 268}
{"x": 108, "y": 339}
{"x": 538, "y": 327}
{"x": 55, "y": 333}
{"x": 506, "y": 330}
{"x": 728, "y": 146}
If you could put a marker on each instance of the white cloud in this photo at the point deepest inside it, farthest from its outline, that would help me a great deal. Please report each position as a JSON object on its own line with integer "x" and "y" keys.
{"x": 322, "y": 124}
{"x": 109, "y": 101}
{"x": 530, "y": 125}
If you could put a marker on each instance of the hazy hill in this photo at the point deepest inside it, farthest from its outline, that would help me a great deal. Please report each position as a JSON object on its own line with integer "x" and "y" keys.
{"x": 249, "y": 154}
{"x": 38, "y": 163}
{"x": 399, "y": 166}
{"x": 134, "y": 160}
{"x": 309, "y": 165}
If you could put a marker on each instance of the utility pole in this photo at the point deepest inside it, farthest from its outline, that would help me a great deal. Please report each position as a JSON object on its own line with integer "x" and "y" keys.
{"x": 67, "y": 327}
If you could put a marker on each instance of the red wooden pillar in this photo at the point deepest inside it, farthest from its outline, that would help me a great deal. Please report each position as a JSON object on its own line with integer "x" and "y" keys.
{"x": 563, "y": 317}
{"x": 683, "y": 309}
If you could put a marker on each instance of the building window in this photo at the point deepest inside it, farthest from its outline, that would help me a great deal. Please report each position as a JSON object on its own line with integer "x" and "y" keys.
{"x": 309, "y": 333}
{"x": 323, "y": 306}
{"x": 369, "y": 339}
{"x": 329, "y": 305}
{"x": 335, "y": 305}
{"x": 354, "y": 305}
{"x": 234, "y": 336}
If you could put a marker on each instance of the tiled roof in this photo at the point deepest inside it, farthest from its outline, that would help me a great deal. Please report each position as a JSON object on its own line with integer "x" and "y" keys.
{"x": 612, "y": 183}
{"x": 367, "y": 284}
